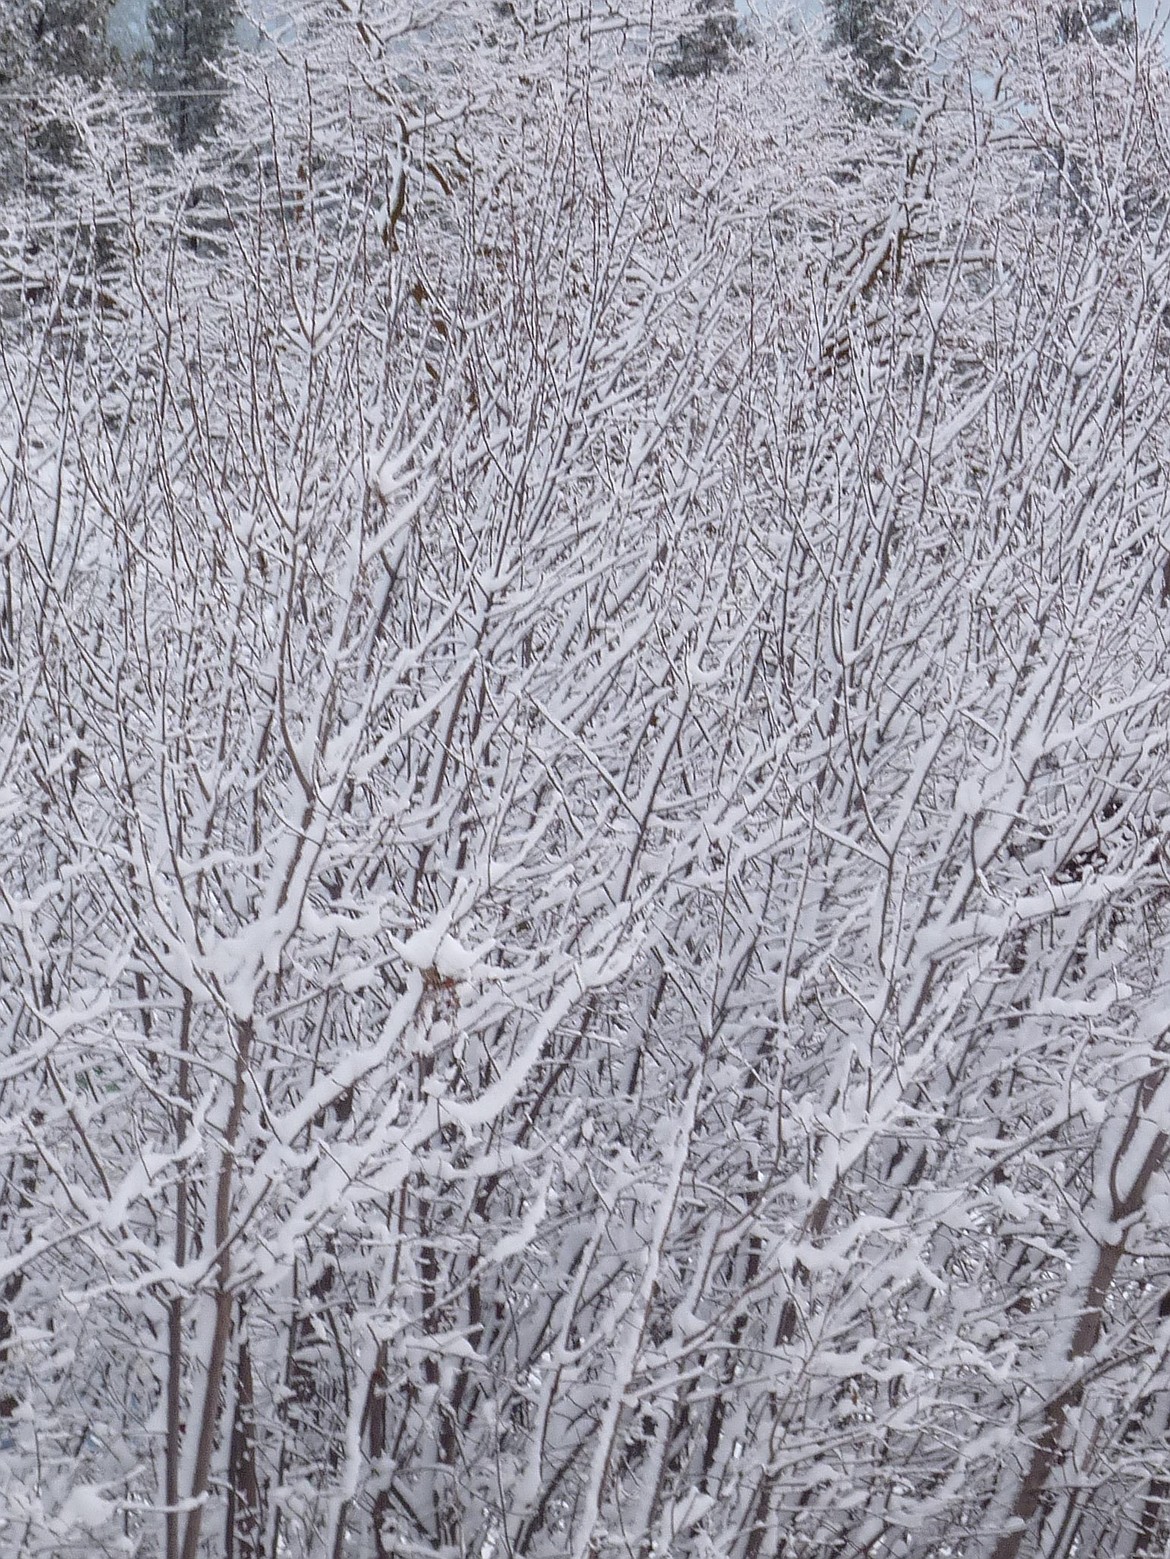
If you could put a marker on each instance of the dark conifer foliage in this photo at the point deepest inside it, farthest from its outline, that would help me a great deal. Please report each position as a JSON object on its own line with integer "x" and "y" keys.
{"x": 709, "y": 45}
{"x": 68, "y": 38}
{"x": 188, "y": 38}
{"x": 48, "y": 51}
{"x": 1102, "y": 19}
{"x": 876, "y": 34}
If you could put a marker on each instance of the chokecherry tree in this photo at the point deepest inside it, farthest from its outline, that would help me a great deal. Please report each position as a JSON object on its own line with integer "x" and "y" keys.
{"x": 584, "y": 934}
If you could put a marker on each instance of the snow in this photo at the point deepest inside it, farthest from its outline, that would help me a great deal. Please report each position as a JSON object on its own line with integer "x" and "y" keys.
{"x": 86, "y": 1508}
{"x": 584, "y": 943}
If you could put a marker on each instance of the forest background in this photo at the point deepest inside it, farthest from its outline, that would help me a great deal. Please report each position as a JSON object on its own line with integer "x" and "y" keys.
{"x": 584, "y": 783}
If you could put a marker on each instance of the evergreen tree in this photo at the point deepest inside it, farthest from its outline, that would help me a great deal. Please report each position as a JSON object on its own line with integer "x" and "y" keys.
{"x": 1104, "y": 20}
{"x": 1088, "y": 38}
{"x": 709, "y": 45}
{"x": 53, "y": 38}
{"x": 875, "y": 33}
{"x": 42, "y": 45}
{"x": 188, "y": 37}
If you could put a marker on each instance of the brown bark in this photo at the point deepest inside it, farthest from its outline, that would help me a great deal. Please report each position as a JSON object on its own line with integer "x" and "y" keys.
{"x": 245, "y": 1515}
{"x": 1048, "y": 1449}
{"x": 221, "y": 1331}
